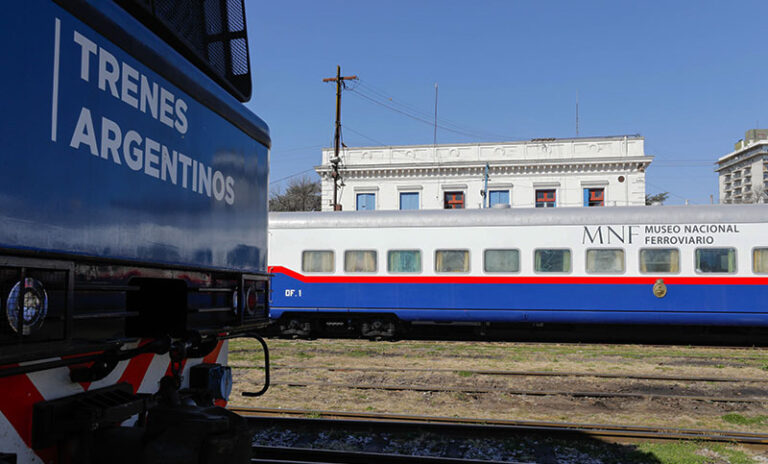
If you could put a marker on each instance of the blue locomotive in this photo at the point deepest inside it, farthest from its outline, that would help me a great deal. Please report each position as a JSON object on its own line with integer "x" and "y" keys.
{"x": 133, "y": 198}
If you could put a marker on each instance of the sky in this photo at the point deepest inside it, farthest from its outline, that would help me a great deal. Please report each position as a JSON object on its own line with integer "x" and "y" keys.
{"x": 690, "y": 77}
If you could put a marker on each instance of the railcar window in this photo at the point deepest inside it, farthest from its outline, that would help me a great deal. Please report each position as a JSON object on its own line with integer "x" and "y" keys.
{"x": 360, "y": 261}
{"x": 654, "y": 260}
{"x": 552, "y": 260}
{"x": 605, "y": 261}
{"x": 716, "y": 260}
{"x": 760, "y": 260}
{"x": 404, "y": 261}
{"x": 452, "y": 261}
{"x": 317, "y": 261}
{"x": 501, "y": 261}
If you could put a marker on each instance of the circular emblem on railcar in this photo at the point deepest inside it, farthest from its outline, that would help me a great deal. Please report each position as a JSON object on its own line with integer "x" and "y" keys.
{"x": 660, "y": 288}
{"x": 27, "y": 301}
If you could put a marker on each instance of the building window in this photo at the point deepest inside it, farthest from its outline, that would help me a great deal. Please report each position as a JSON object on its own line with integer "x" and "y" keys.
{"x": 366, "y": 201}
{"x": 409, "y": 200}
{"x": 452, "y": 261}
{"x": 545, "y": 198}
{"x": 501, "y": 261}
{"x": 317, "y": 261}
{"x": 404, "y": 261}
{"x": 454, "y": 200}
{"x": 360, "y": 261}
{"x": 594, "y": 197}
{"x": 498, "y": 197}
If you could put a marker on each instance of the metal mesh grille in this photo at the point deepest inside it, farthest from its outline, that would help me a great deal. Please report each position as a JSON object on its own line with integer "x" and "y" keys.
{"x": 210, "y": 33}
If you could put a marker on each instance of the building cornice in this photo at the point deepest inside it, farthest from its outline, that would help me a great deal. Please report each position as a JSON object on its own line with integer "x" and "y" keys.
{"x": 735, "y": 157}
{"x": 535, "y": 141}
{"x": 505, "y": 167}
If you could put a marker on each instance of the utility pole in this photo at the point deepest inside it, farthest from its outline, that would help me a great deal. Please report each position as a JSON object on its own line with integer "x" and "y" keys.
{"x": 339, "y": 80}
{"x": 485, "y": 186}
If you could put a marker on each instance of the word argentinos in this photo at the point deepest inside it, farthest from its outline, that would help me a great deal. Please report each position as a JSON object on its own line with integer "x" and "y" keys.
{"x": 140, "y": 153}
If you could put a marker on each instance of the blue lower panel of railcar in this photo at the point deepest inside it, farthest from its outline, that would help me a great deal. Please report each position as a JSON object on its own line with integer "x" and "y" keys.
{"x": 732, "y": 305}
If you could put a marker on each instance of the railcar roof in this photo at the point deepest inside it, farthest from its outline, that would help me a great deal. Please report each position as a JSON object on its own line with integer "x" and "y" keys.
{"x": 710, "y": 214}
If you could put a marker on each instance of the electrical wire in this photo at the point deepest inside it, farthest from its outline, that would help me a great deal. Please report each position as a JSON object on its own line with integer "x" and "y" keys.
{"x": 292, "y": 175}
{"x": 442, "y": 122}
{"x": 372, "y": 95}
{"x": 365, "y": 136}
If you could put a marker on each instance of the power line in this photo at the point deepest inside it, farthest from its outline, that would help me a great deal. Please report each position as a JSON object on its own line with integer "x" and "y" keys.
{"x": 414, "y": 117}
{"x": 364, "y": 136}
{"x": 292, "y": 175}
{"x": 375, "y": 95}
{"x": 669, "y": 192}
{"x": 282, "y": 153}
{"x": 427, "y": 115}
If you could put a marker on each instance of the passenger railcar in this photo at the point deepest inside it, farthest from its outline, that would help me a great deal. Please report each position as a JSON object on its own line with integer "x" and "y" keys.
{"x": 374, "y": 272}
{"x": 133, "y": 229}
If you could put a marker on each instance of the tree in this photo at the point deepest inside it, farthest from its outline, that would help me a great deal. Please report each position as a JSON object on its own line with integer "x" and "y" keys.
{"x": 301, "y": 195}
{"x": 759, "y": 195}
{"x": 657, "y": 199}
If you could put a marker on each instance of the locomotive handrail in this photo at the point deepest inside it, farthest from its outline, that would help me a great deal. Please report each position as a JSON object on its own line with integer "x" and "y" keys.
{"x": 103, "y": 360}
{"x": 266, "y": 367}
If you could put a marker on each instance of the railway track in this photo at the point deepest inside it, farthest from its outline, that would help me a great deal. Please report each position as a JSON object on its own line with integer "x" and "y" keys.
{"x": 504, "y": 373}
{"x": 521, "y": 392}
{"x": 467, "y": 429}
{"x": 288, "y": 455}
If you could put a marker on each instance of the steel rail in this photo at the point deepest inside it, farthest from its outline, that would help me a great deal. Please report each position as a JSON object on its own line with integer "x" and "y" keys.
{"x": 520, "y": 392}
{"x": 489, "y": 427}
{"x": 285, "y": 455}
{"x": 516, "y": 373}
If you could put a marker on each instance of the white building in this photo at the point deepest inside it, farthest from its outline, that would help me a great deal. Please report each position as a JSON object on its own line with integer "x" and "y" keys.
{"x": 590, "y": 171}
{"x": 743, "y": 173}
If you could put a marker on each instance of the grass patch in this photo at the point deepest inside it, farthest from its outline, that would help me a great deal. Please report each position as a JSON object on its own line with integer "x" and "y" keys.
{"x": 738, "y": 419}
{"x": 465, "y": 374}
{"x": 695, "y": 453}
{"x": 358, "y": 353}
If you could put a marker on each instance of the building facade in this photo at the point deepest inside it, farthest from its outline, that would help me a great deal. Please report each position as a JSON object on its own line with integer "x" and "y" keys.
{"x": 743, "y": 173}
{"x": 594, "y": 171}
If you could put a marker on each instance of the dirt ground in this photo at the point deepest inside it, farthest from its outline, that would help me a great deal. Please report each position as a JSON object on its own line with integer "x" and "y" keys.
{"x": 303, "y": 361}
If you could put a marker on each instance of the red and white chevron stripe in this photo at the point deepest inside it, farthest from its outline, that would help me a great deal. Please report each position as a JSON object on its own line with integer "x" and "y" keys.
{"x": 19, "y": 393}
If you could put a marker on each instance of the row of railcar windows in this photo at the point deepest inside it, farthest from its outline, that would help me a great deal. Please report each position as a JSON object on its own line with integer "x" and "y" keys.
{"x": 598, "y": 261}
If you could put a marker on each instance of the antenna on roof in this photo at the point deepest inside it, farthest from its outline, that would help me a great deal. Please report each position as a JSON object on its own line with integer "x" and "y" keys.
{"x": 434, "y": 137}
{"x": 577, "y": 113}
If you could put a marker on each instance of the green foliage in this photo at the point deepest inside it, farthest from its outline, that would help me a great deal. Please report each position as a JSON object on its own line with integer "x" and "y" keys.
{"x": 695, "y": 453}
{"x": 304, "y": 355}
{"x": 301, "y": 195}
{"x": 738, "y": 419}
{"x": 658, "y": 198}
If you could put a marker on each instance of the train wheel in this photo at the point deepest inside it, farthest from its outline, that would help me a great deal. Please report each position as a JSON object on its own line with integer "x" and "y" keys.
{"x": 378, "y": 329}
{"x": 295, "y": 327}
